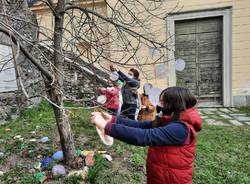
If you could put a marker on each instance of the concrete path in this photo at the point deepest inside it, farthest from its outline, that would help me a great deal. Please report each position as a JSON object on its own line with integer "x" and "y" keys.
{"x": 224, "y": 116}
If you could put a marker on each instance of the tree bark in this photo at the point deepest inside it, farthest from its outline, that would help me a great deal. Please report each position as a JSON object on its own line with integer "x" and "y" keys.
{"x": 56, "y": 92}
{"x": 64, "y": 129}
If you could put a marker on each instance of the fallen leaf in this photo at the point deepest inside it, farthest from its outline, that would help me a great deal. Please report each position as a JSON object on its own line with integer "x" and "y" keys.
{"x": 33, "y": 132}
{"x": 83, "y": 173}
{"x": 101, "y": 152}
{"x": 17, "y": 137}
{"x": 108, "y": 157}
{"x": 32, "y": 140}
{"x": 7, "y": 129}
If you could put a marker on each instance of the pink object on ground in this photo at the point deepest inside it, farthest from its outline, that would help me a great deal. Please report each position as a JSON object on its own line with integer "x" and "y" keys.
{"x": 89, "y": 160}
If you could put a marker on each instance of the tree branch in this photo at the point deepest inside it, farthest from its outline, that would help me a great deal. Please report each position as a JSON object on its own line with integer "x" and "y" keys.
{"x": 129, "y": 31}
{"x": 43, "y": 70}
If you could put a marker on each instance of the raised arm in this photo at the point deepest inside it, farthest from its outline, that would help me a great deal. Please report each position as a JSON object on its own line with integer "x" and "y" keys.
{"x": 130, "y": 123}
{"x": 125, "y": 78}
{"x": 174, "y": 133}
{"x": 106, "y": 119}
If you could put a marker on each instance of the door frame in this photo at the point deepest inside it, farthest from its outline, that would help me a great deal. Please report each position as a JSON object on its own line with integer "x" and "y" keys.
{"x": 226, "y": 44}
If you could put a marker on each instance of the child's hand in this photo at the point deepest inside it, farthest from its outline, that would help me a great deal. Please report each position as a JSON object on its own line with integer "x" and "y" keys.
{"x": 98, "y": 120}
{"x": 112, "y": 68}
{"x": 101, "y": 90}
{"x": 106, "y": 116}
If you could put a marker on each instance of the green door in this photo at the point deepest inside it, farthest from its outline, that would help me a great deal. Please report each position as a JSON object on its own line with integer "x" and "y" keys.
{"x": 199, "y": 43}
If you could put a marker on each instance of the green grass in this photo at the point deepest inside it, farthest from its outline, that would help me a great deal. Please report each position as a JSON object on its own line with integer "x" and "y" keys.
{"x": 223, "y": 153}
{"x": 245, "y": 110}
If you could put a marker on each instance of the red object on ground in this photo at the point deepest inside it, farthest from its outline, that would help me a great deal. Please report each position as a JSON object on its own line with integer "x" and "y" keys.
{"x": 90, "y": 160}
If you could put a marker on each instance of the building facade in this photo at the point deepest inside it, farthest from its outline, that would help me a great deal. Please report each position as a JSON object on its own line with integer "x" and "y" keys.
{"x": 211, "y": 38}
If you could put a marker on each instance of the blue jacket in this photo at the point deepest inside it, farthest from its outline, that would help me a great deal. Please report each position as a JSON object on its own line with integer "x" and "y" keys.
{"x": 127, "y": 95}
{"x": 143, "y": 134}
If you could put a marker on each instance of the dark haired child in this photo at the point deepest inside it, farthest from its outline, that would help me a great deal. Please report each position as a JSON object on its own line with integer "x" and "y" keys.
{"x": 171, "y": 139}
{"x": 129, "y": 91}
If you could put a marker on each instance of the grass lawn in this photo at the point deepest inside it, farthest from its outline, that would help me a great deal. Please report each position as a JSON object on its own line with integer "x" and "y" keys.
{"x": 223, "y": 153}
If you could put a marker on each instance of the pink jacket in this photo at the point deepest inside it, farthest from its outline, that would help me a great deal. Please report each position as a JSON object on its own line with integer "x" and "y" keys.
{"x": 112, "y": 95}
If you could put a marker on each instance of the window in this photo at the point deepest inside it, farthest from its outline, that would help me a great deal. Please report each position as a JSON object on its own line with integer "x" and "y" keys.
{"x": 7, "y": 70}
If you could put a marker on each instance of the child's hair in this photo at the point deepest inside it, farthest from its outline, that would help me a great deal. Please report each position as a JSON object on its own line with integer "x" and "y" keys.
{"x": 135, "y": 72}
{"x": 176, "y": 100}
{"x": 114, "y": 83}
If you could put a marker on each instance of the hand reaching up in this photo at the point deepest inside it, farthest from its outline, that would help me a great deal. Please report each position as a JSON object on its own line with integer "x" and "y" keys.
{"x": 112, "y": 68}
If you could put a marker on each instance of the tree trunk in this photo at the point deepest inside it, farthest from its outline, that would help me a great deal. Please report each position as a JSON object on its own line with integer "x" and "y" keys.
{"x": 64, "y": 129}
{"x": 56, "y": 92}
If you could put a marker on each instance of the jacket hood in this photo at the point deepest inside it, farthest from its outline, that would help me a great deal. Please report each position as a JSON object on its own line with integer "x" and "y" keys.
{"x": 190, "y": 116}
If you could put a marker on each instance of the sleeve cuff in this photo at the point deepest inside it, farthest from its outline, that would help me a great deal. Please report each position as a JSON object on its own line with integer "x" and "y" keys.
{"x": 109, "y": 125}
{"x": 165, "y": 119}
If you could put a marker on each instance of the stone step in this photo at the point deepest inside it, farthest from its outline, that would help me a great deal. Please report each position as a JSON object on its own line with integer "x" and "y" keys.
{"x": 216, "y": 122}
{"x": 235, "y": 122}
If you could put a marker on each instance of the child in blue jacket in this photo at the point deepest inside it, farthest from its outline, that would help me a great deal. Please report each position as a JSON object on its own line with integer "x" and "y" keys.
{"x": 171, "y": 138}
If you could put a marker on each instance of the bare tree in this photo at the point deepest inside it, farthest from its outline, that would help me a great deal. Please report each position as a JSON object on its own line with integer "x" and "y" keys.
{"x": 113, "y": 35}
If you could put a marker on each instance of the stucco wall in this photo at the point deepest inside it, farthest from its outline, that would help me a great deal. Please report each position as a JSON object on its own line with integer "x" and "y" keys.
{"x": 46, "y": 24}
{"x": 240, "y": 41}
{"x": 158, "y": 75}
{"x": 12, "y": 102}
{"x": 240, "y": 37}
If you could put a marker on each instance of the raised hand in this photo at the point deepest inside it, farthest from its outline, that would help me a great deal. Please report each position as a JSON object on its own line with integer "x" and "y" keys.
{"x": 112, "y": 68}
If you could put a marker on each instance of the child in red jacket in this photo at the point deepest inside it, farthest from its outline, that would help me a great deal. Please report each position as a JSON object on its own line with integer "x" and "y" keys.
{"x": 112, "y": 96}
{"x": 171, "y": 138}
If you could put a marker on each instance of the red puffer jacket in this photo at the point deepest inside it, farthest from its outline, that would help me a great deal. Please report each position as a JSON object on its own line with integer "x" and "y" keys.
{"x": 174, "y": 164}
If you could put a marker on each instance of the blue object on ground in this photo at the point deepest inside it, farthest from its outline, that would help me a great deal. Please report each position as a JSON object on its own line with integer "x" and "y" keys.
{"x": 58, "y": 155}
{"x": 58, "y": 170}
{"x": 46, "y": 162}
